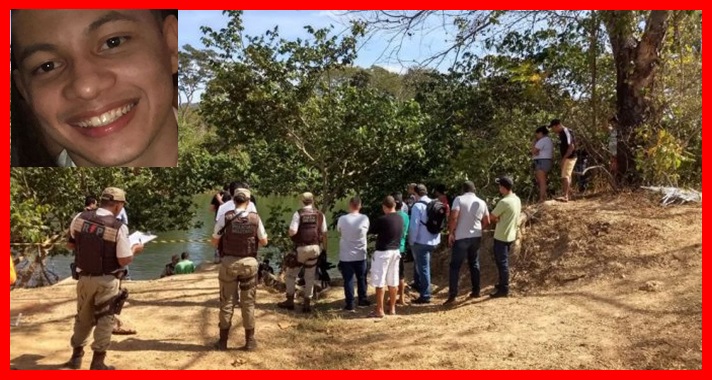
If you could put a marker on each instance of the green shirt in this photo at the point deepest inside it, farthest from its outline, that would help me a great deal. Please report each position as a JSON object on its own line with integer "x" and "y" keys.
{"x": 406, "y": 224}
{"x": 507, "y": 210}
{"x": 185, "y": 267}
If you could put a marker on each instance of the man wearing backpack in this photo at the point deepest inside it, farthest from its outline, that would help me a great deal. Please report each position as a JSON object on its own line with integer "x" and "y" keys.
{"x": 426, "y": 221}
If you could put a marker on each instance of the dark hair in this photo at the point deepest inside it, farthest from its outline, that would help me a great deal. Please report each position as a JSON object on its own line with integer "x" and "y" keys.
{"x": 543, "y": 130}
{"x": 397, "y": 195}
{"x": 389, "y": 202}
{"x": 175, "y": 257}
{"x": 108, "y": 203}
{"x": 468, "y": 187}
{"x": 89, "y": 200}
{"x": 421, "y": 190}
{"x": 440, "y": 189}
{"x": 184, "y": 255}
{"x": 554, "y": 122}
{"x": 355, "y": 201}
{"x": 240, "y": 199}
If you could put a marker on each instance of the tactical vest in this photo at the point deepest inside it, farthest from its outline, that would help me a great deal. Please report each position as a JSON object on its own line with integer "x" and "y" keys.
{"x": 95, "y": 241}
{"x": 310, "y": 225}
{"x": 240, "y": 236}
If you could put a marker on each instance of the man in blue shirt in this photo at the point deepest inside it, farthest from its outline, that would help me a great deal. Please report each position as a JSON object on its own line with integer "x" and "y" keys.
{"x": 423, "y": 243}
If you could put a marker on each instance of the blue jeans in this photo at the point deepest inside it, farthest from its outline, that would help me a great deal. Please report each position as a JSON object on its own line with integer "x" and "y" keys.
{"x": 501, "y": 258}
{"x": 349, "y": 270}
{"x": 465, "y": 248}
{"x": 421, "y": 254}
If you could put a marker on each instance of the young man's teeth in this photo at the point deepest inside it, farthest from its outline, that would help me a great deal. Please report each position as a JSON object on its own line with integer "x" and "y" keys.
{"x": 105, "y": 118}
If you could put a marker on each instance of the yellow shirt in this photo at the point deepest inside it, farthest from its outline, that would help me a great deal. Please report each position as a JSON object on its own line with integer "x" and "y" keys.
{"x": 13, "y": 275}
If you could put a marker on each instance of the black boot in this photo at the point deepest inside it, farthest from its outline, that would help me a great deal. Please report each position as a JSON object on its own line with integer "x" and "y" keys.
{"x": 306, "y": 307}
{"x": 221, "y": 344}
{"x": 250, "y": 342}
{"x": 97, "y": 362}
{"x": 75, "y": 362}
{"x": 288, "y": 304}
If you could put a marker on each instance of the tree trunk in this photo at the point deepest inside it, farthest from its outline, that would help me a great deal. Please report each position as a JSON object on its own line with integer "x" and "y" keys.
{"x": 636, "y": 64}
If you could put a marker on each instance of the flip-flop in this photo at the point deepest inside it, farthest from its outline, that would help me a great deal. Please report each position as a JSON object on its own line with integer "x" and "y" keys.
{"x": 389, "y": 313}
{"x": 560, "y": 199}
{"x": 374, "y": 315}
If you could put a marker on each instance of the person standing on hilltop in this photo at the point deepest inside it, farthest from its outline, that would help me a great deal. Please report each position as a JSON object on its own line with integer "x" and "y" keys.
{"x": 102, "y": 249}
{"x": 542, "y": 155}
{"x": 238, "y": 236}
{"x": 567, "y": 147}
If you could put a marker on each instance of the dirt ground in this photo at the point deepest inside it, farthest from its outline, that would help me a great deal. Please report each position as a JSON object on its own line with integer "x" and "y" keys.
{"x": 601, "y": 283}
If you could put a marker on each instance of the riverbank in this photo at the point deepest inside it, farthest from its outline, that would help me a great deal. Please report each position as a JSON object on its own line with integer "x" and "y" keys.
{"x": 641, "y": 310}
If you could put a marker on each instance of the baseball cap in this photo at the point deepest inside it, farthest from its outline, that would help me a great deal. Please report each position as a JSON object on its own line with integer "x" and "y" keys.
{"x": 113, "y": 194}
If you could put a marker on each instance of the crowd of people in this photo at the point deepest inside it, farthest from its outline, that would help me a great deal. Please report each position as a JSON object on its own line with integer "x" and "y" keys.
{"x": 410, "y": 227}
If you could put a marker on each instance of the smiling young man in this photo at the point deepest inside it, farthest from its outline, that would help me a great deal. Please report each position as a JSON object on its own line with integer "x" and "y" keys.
{"x": 100, "y": 83}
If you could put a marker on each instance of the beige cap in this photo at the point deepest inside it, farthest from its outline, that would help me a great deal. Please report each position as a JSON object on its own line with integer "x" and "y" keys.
{"x": 306, "y": 197}
{"x": 113, "y": 194}
{"x": 243, "y": 191}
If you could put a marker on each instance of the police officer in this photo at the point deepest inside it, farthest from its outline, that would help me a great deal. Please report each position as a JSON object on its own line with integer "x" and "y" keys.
{"x": 101, "y": 248}
{"x": 307, "y": 230}
{"x": 238, "y": 235}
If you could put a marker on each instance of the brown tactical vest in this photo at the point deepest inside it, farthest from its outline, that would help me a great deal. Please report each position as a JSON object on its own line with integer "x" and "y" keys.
{"x": 240, "y": 236}
{"x": 310, "y": 225}
{"x": 95, "y": 240}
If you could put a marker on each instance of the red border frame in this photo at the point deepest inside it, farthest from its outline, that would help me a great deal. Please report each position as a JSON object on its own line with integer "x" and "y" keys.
{"x": 364, "y": 4}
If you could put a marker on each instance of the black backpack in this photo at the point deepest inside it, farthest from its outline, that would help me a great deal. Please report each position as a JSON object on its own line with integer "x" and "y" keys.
{"x": 435, "y": 210}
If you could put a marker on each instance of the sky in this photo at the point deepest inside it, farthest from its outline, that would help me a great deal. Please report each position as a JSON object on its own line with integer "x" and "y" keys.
{"x": 372, "y": 51}
{"x": 291, "y": 24}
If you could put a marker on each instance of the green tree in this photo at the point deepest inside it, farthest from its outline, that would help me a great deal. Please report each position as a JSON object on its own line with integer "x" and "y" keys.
{"x": 301, "y": 129}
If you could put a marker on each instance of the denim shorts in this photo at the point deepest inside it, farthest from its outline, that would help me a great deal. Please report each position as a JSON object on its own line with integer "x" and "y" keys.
{"x": 543, "y": 165}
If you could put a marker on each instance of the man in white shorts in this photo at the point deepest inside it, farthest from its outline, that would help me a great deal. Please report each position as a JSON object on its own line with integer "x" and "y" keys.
{"x": 384, "y": 268}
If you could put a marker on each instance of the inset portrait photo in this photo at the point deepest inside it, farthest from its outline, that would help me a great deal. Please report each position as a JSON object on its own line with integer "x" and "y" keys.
{"x": 94, "y": 88}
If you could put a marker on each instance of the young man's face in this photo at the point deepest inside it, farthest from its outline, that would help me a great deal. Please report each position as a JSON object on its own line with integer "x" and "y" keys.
{"x": 99, "y": 81}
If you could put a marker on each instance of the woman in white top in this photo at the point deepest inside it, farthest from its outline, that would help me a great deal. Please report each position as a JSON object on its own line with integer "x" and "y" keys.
{"x": 542, "y": 153}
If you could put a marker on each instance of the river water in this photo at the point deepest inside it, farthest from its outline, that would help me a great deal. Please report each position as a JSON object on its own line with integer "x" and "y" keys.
{"x": 149, "y": 264}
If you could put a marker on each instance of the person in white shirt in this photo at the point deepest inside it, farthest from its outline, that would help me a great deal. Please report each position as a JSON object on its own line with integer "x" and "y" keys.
{"x": 230, "y": 206}
{"x": 468, "y": 217}
{"x": 542, "y": 154}
{"x": 352, "y": 253}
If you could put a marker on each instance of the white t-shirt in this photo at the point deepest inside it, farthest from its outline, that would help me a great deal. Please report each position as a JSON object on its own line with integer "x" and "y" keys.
{"x": 353, "y": 228}
{"x": 546, "y": 149}
{"x": 123, "y": 246}
{"x": 261, "y": 233}
{"x": 472, "y": 209}
{"x": 229, "y": 206}
{"x": 294, "y": 225}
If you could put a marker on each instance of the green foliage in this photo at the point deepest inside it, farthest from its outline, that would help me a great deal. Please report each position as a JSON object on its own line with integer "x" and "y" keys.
{"x": 304, "y": 123}
{"x": 44, "y": 200}
{"x": 660, "y": 159}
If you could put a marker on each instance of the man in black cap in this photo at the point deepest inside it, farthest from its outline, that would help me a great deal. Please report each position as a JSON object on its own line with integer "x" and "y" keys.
{"x": 506, "y": 216}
